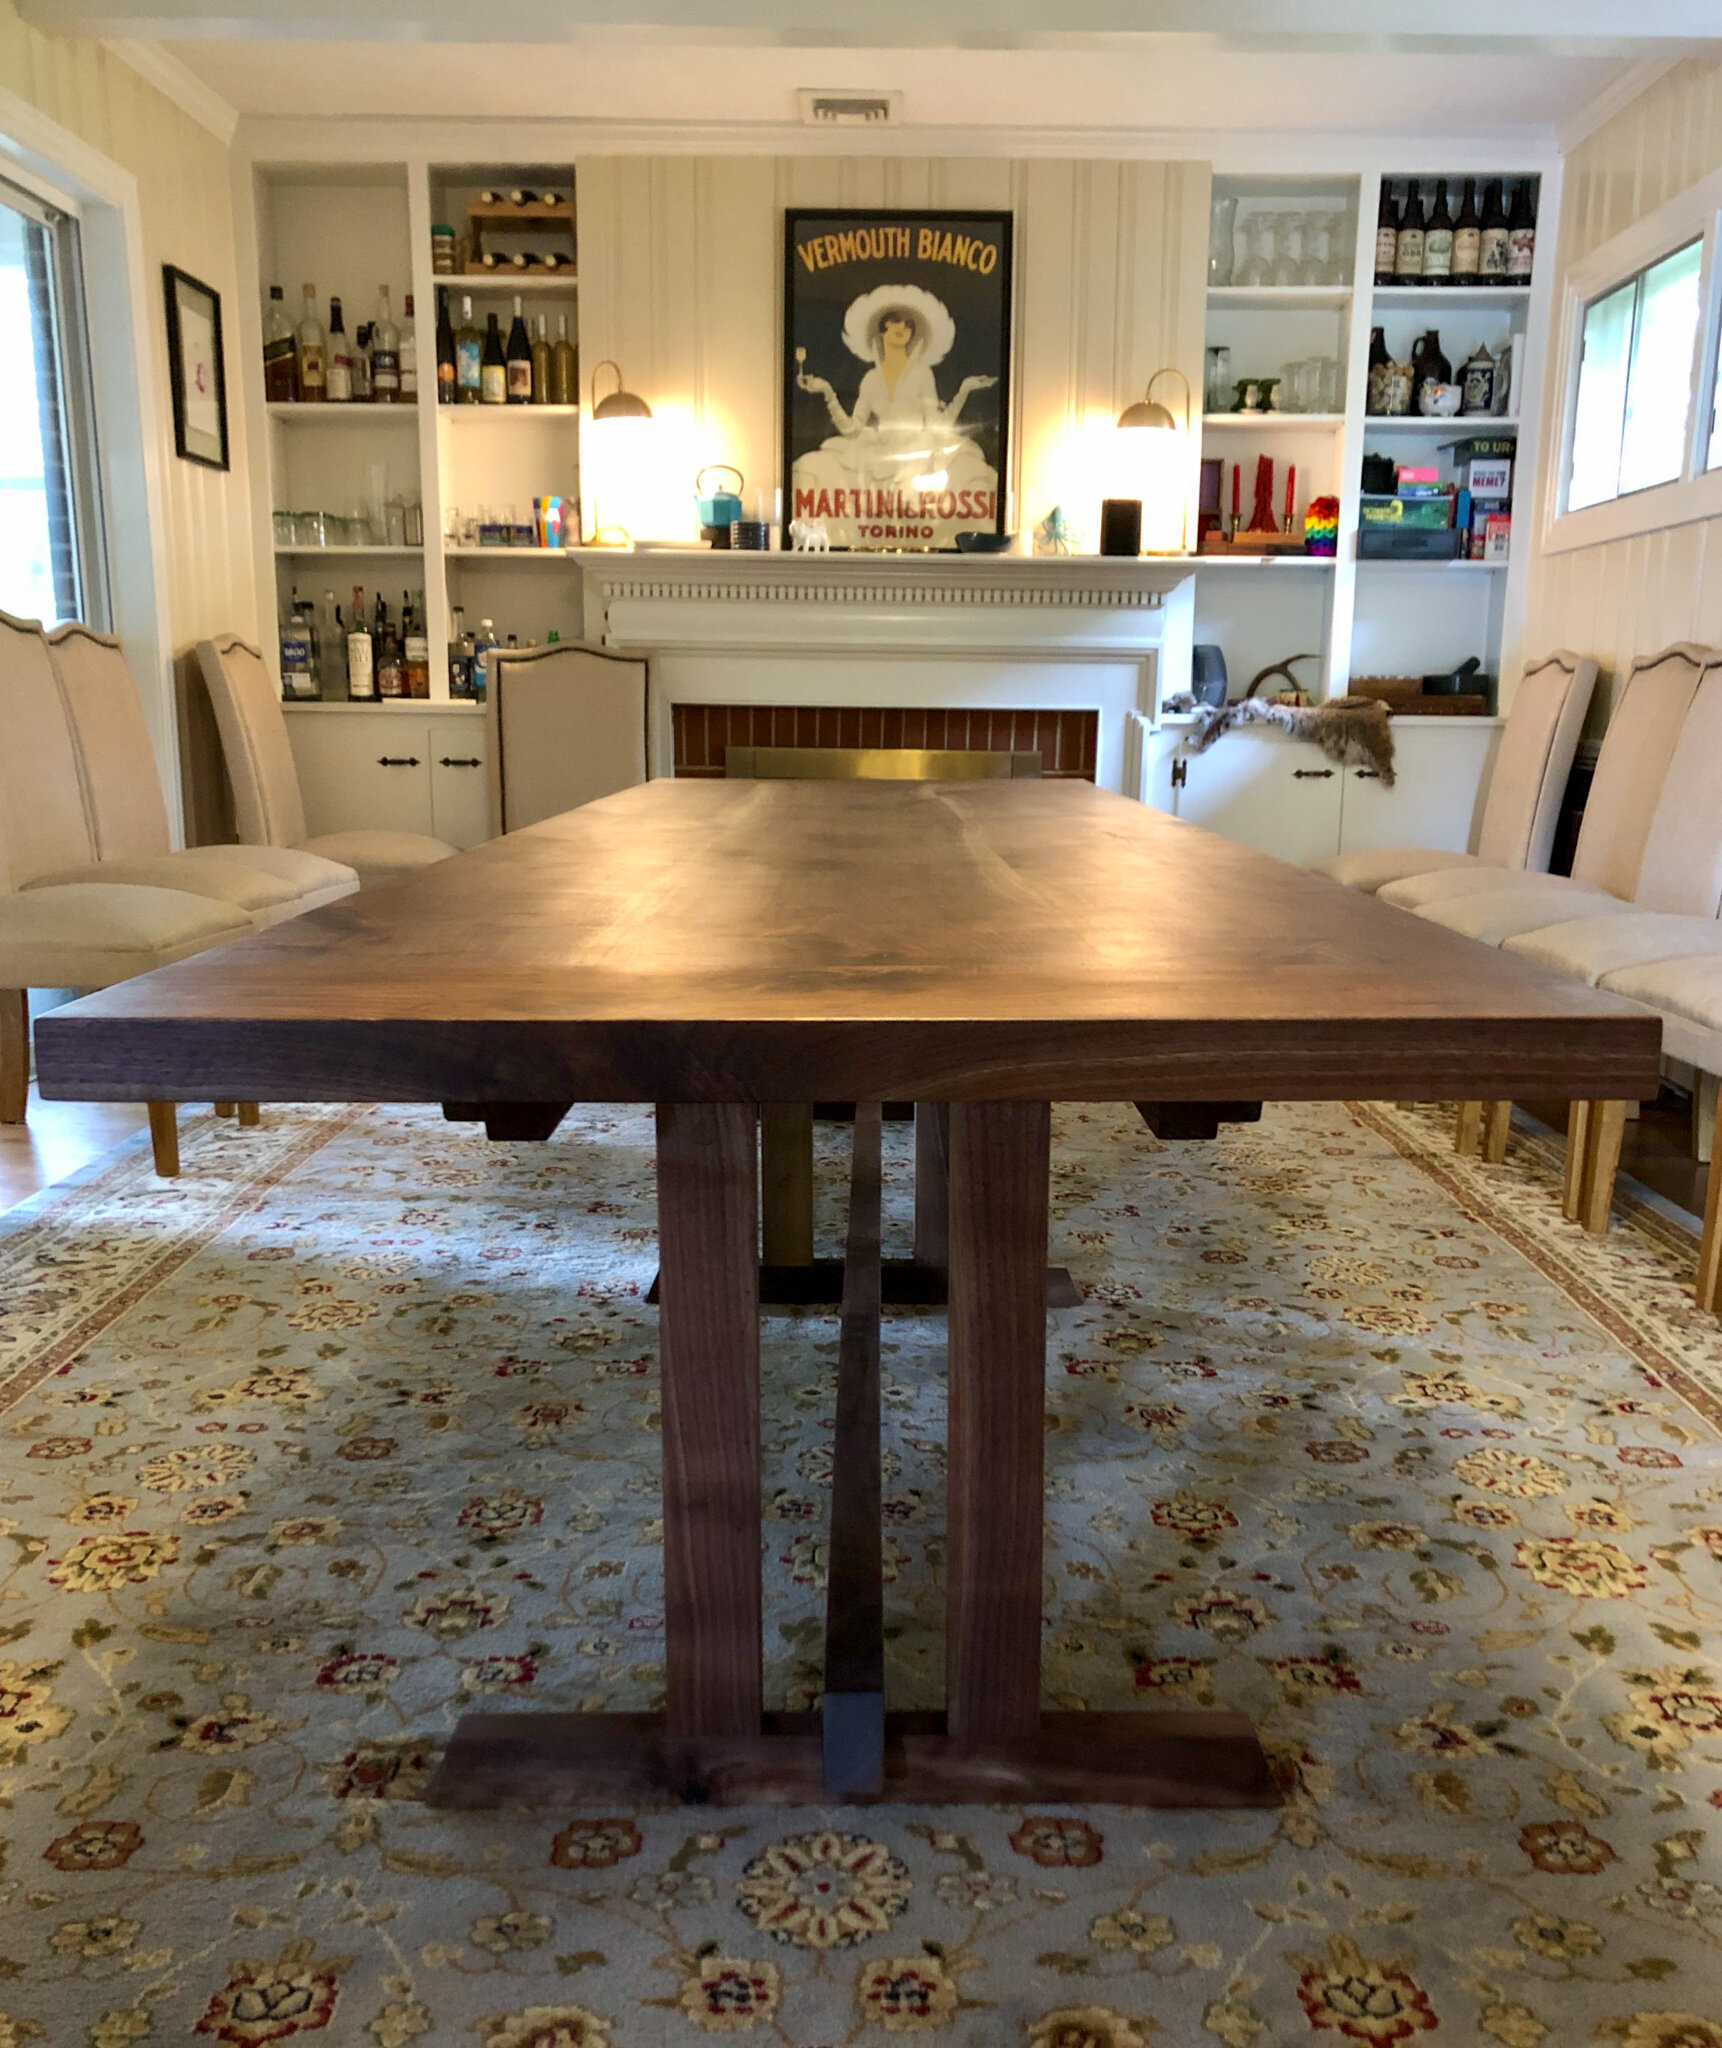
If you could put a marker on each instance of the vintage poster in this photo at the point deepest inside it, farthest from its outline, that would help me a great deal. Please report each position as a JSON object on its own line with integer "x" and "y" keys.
{"x": 896, "y": 369}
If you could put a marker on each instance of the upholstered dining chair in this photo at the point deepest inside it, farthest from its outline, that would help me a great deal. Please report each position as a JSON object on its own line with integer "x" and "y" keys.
{"x": 567, "y": 724}
{"x": 1526, "y": 785}
{"x": 267, "y": 804}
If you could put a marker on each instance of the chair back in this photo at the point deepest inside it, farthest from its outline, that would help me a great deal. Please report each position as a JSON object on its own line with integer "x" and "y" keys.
{"x": 45, "y": 824}
{"x": 267, "y": 807}
{"x": 1533, "y": 761}
{"x": 127, "y": 813}
{"x": 567, "y": 725}
{"x": 1682, "y": 866}
{"x": 1632, "y": 766}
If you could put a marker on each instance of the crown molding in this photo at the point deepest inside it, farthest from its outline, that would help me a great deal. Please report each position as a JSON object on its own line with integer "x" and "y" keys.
{"x": 1633, "y": 82}
{"x": 178, "y": 82}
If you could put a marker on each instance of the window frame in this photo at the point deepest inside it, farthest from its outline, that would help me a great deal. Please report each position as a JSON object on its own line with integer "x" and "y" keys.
{"x": 59, "y": 218}
{"x": 1693, "y": 216}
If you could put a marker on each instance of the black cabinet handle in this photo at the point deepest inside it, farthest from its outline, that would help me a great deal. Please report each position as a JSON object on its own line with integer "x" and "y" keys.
{"x": 1369, "y": 775}
{"x": 1312, "y": 774}
{"x": 397, "y": 760}
{"x": 453, "y": 761}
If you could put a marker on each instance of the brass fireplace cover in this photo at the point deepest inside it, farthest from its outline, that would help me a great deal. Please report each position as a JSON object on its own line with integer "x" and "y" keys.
{"x": 878, "y": 764}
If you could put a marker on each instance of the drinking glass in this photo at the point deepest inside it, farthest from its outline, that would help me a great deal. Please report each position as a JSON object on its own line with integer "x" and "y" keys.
{"x": 1222, "y": 237}
{"x": 1258, "y": 264}
{"x": 395, "y": 524}
{"x": 1288, "y": 252}
{"x": 287, "y": 525}
{"x": 309, "y": 530}
{"x": 1330, "y": 373}
{"x": 1317, "y": 265}
{"x": 1217, "y": 385}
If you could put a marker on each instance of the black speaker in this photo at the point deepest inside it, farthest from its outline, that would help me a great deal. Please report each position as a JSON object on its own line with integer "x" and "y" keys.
{"x": 1121, "y": 526}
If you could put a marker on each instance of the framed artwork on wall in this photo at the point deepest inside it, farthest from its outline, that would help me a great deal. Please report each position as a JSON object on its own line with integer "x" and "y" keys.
{"x": 896, "y": 376}
{"x": 196, "y": 369}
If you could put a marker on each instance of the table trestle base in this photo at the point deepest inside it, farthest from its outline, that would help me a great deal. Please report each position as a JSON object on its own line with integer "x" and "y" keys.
{"x": 903, "y": 1283}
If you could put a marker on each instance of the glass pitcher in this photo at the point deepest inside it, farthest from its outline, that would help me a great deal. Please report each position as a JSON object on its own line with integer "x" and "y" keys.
{"x": 1222, "y": 240}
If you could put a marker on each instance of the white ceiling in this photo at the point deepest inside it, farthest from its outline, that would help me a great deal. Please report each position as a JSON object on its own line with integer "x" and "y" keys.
{"x": 1162, "y": 83}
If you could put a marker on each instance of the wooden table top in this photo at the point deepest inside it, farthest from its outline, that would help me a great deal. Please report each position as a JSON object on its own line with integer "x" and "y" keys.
{"x": 801, "y": 941}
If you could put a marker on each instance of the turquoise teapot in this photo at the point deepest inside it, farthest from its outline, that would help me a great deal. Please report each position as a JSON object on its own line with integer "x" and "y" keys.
{"x": 718, "y": 508}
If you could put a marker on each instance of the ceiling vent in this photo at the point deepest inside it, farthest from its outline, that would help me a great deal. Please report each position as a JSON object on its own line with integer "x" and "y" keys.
{"x": 849, "y": 109}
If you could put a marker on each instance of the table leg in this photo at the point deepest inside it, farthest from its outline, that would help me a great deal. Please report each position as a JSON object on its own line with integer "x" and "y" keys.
{"x": 999, "y": 1165}
{"x": 932, "y": 1184}
{"x": 1709, "y": 1287}
{"x": 708, "y": 1349}
{"x": 786, "y": 1183}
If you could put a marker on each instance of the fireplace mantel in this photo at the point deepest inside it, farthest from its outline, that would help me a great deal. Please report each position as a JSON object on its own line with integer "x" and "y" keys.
{"x": 956, "y": 631}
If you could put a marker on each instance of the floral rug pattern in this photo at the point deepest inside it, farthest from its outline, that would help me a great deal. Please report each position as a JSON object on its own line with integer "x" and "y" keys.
{"x": 353, "y": 1428}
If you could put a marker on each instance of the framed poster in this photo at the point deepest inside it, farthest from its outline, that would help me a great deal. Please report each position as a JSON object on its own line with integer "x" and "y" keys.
{"x": 896, "y": 385}
{"x": 196, "y": 369}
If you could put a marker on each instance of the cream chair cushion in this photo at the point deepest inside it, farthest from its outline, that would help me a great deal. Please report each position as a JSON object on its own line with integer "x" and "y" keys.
{"x": 377, "y": 857}
{"x": 316, "y": 878}
{"x": 1453, "y": 885}
{"x": 1373, "y": 867}
{"x": 1501, "y": 914}
{"x": 1591, "y": 948}
{"x": 264, "y": 899}
{"x": 90, "y": 934}
{"x": 1687, "y": 993}
{"x": 266, "y": 801}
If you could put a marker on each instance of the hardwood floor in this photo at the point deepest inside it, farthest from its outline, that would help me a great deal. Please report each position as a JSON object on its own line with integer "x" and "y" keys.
{"x": 57, "y": 1139}
{"x": 1657, "y": 1149}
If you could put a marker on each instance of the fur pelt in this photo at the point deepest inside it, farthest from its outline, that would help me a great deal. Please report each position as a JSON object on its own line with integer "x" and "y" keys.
{"x": 1353, "y": 733}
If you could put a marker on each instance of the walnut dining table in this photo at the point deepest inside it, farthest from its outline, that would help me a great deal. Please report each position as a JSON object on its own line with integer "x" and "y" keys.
{"x": 989, "y": 947}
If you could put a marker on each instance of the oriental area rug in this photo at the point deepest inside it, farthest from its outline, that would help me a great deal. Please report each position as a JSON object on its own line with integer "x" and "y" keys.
{"x": 353, "y": 1428}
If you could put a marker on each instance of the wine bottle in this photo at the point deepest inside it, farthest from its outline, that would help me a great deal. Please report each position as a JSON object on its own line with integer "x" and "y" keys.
{"x": 340, "y": 370}
{"x": 362, "y": 391}
{"x": 493, "y": 365}
{"x": 1386, "y": 237}
{"x": 553, "y": 259}
{"x": 361, "y": 655}
{"x": 1467, "y": 238}
{"x": 313, "y": 354}
{"x": 1438, "y": 239}
{"x": 415, "y": 648}
{"x": 280, "y": 353}
{"x": 459, "y": 655}
{"x": 409, "y": 355}
{"x": 445, "y": 365}
{"x": 391, "y": 668}
{"x": 1408, "y": 259}
{"x": 1492, "y": 242}
{"x": 385, "y": 352}
{"x": 541, "y": 363}
{"x": 519, "y": 196}
{"x": 332, "y": 644}
{"x": 564, "y": 367}
{"x": 469, "y": 357}
{"x": 519, "y": 360}
{"x": 1521, "y": 235}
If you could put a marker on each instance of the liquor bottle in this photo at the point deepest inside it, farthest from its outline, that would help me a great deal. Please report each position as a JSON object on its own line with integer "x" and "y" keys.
{"x": 445, "y": 364}
{"x": 313, "y": 356}
{"x": 385, "y": 353}
{"x": 468, "y": 357}
{"x": 564, "y": 367}
{"x": 541, "y": 363}
{"x": 361, "y": 655}
{"x": 493, "y": 365}
{"x": 409, "y": 355}
{"x": 362, "y": 389}
{"x": 1467, "y": 238}
{"x": 1521, "y": 235}
{"x": 280, "y": 353}
{"x": 1438, "y": 239}
{"x": 415, "y": 647}
{"x": 298, "y": 654}
{"x": 1386, "y": 238}
{"x": 332, "y": 649}
{"x": 391, "y": 663}
{"x": 340, "y": 374}
{"x": 1492, "y": 242}
{"x": 459, "y": 655}
{"x": 483, "y": 648}
{"x": 1408, "y": 259}
{"x": 519, "y": 361}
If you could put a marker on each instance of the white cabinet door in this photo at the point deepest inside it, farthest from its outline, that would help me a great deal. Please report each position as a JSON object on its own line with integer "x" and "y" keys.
{"x": 1439, "y": 771}
{"x": 363, "y": 770}
{"x": 1263, "y": 790}
{"x": 460, "y": 791}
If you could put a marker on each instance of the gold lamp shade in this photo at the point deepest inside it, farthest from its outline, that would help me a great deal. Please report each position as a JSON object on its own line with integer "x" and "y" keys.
{"x": 620, "y": 404}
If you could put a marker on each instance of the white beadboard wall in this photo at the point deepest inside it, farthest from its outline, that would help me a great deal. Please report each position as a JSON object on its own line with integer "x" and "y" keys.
{"x": 681, "y": 281}
{"x": 1631, "y": 596}
{"x": 185, "y": 197}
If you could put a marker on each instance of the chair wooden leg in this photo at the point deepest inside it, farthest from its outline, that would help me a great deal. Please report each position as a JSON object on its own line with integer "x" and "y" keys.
{"x": 164, "y": 1137}
{"x": 250, "y": 1115}
{"x": 1603, "y": 1136}
{"x": 1467, "y": 1132}
{"x": 225, "y": 1108}
{"x": 1710, "y": 1246}
{"x": 1497, "y": 1122}
{"x": 1572, "y": 1184}
{"x": 14, "y": 1054}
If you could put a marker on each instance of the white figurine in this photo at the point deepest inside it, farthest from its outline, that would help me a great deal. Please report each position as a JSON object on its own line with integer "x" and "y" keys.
{"x": 809, "y": 537}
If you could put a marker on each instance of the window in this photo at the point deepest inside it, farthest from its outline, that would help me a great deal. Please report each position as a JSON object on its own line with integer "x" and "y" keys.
{"x": 51, "y": 564}
{"x": 1635, "y": 382}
